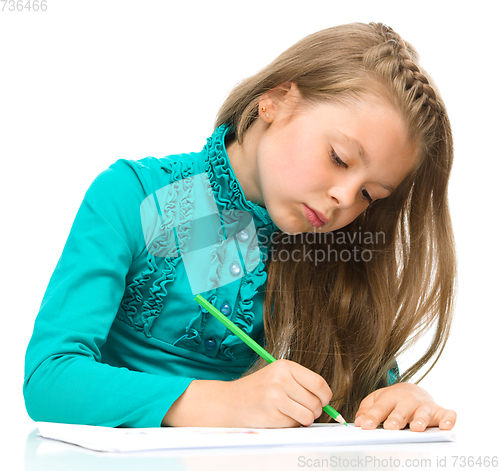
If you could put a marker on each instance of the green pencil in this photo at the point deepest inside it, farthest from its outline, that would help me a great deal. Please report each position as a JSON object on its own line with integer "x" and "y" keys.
{"x": 255, "y": 346}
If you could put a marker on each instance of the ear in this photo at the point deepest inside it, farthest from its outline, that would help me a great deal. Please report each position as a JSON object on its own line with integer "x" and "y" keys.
{"x": 278, "y": 101}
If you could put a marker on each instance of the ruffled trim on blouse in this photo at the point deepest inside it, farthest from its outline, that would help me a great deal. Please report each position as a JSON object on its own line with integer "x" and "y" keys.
{"x": 228, "y": 196}
{"x": 152, "y": 307}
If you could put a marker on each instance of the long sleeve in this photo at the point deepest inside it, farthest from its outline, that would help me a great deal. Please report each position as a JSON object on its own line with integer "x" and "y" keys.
{"x": 64, "y": 378}
{"x": 393, "y": 374}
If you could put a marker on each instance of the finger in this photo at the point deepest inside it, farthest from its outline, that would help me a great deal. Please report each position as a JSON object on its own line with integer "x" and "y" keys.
{"x": 307, "y": 399}
{"x": 313, "y": 382}
{"x": 444, "y": 418}
{"x": 358, "y": 419}
{"x": 377, "y": 413}
{"x": 398, "y": 418}
{"x": 364, "y": 407}
{"x": 299, "y": 414}
{"x": 421, "y": 419}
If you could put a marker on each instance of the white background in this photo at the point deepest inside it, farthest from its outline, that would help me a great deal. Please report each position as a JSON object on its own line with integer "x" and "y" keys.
{"x": 86, "y": 83}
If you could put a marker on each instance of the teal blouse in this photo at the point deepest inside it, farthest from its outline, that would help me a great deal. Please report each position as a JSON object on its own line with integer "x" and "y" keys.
{"x": 119, "y": 337}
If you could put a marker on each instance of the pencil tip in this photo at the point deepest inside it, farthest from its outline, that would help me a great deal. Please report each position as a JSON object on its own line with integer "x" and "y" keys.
{"x": 341, "y": 420}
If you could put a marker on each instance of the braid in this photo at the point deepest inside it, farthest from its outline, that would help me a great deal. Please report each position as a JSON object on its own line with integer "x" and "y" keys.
{"x": 394, "y": 59}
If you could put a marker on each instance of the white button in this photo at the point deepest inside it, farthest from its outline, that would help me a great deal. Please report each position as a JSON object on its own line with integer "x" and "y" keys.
{"x": 235, "y": 268}
{"x": 243, "y": 235}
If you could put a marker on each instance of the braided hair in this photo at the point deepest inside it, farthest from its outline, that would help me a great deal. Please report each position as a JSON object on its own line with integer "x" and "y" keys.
{"x": 393, "y": 60}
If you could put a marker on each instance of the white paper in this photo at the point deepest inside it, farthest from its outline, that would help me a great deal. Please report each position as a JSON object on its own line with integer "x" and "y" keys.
{"x": 142, "y": 439}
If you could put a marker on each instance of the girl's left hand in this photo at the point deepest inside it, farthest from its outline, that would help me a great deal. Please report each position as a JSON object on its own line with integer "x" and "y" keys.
{"x": 402, "y": 404}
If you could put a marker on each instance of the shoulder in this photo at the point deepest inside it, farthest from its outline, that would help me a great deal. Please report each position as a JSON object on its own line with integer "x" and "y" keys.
{"x": 145, "y": 176}
{"x": 115, "y": 197}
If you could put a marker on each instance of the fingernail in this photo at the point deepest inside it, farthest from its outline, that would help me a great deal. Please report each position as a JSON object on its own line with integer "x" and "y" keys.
{"x": 419, "y": 423}
{"x": 357, "y": 423}
{"x": 448, "y": 424}
{"x": 369, "y": 422}
{"x": 393, "y": 422}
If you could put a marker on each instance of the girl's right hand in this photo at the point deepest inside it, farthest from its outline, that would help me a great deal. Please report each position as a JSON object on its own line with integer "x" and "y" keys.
{"x": 282, "y": 394}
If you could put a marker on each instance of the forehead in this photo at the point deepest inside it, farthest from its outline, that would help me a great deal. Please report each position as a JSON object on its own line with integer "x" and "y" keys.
{"x": 375, "y": 120}
{"x": 373, "y": 130}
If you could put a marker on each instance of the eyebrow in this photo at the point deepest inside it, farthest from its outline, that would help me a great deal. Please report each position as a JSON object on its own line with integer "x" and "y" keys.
{"x": 363, "y": 156}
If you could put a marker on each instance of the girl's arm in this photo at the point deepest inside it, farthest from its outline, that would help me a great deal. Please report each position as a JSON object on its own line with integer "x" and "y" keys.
{"x": 282, "y": 394}
{"x": 64, "y": 379}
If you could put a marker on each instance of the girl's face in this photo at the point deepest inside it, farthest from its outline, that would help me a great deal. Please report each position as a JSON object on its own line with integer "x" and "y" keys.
{"x": 331, "y": 158}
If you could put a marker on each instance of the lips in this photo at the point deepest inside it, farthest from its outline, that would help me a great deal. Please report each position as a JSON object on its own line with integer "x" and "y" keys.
{"x": 316, "y": 219}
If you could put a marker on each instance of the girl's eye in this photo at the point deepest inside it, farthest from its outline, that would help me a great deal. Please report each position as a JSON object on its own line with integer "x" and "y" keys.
{"x": 336, "y": 159}
{"x": 366, "y": 196}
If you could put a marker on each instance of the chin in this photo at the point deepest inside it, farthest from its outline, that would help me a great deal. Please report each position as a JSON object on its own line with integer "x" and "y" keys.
{"x": 293, "y": 229}
{"x": 287, "y": 226}
{"x": 290, "y": 224}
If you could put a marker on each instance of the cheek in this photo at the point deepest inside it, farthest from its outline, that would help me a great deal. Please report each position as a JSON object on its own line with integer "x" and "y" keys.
{"x": 292, "y": 165}
{"x": 348, "y": 216}
{"x": 279, "y": 166}
{"x": 304, "y": 166}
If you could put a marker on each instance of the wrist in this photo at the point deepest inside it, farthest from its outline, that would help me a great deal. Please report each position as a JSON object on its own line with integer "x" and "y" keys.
{"x": 202, "y": 404}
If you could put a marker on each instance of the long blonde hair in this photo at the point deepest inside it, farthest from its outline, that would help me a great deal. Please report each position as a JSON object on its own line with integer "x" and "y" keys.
{"x": 348, "y": 320}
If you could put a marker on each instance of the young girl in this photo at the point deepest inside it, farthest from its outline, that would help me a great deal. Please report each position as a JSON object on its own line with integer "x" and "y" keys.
{"x": 337, "y": 158}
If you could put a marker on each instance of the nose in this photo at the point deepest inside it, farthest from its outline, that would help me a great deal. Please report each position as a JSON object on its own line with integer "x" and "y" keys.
{"x": 344, "y": 194}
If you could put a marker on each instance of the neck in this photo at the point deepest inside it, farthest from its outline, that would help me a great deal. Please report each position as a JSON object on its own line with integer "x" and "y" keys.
{"x": 243, "y": 160}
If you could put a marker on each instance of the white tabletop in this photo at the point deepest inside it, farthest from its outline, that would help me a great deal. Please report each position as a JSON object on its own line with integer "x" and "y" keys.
{"x": 472, "y": 444}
